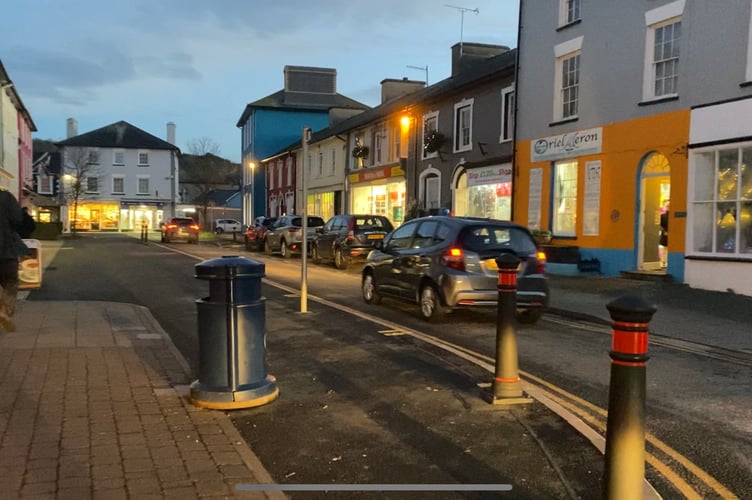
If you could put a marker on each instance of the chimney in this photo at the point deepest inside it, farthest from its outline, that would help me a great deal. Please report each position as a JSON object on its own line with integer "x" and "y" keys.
{"x": 392, "y": 88}
{"x": 465, "y": 55}
{"x": 71, "y": 128}
{"x": 171, "y": 133}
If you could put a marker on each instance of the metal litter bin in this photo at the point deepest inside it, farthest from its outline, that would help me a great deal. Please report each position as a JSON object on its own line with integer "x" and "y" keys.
{"x": 231, "y": 335}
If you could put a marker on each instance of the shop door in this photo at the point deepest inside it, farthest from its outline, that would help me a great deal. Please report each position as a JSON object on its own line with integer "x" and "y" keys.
{"x": 95, "y": 220}
{"x": 655, "y": 189}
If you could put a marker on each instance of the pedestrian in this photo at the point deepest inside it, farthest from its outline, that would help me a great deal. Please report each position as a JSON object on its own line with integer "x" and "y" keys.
{"x": 26, "y": 230}
{"x": 144, "y": 229}
{"x": 11, "y": 248}
{"x": 663, "y": 234}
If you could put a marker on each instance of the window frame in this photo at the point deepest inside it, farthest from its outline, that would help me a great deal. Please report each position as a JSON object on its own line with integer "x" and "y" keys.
{"x": 116, "y": 177}
{"x": 115, "y": 154}
{"x": 428, "y": 118}
{"x": 570, "y": 11}
{"x": 564, "y": 52}
{"x": 92, "y": 180}
{"x": 43, "y": 179}
{"x": 506, "y": 133}
{"x": 143, "y": 163}
{"x": 557, "y": 228}
{"x": 139, "y": 191}
{"x": 658, "y": 18}
{"x": 458, "y": 144}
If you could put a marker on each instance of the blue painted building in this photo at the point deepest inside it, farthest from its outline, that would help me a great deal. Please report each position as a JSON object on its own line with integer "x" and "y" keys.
{"x": 309, "y": 99}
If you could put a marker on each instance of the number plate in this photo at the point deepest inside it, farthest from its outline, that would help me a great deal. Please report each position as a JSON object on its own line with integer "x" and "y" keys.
{"x": 375, "y": 236}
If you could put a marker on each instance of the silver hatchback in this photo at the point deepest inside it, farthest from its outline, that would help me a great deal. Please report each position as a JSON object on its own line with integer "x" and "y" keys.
{"x": 442, "y": 263}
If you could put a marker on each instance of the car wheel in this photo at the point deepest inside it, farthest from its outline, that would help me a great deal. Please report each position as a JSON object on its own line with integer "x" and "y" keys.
{"x": 340, "y": 261}
{"x": 431, "y": 308}
{"x": 162, "y": 238}
{"x": 284, "y": 251}
{"x": 220, "y": 230}
{"x": 368, "y": 287}
{"x": 260, "y": 245}
{"x": 529, "y": 316}
{"x": 315, "y": 257}
{"x": 267, "y": 247}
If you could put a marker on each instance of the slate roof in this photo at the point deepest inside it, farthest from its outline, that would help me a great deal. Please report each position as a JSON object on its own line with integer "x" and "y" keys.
{"x": 118, "y": 135}
{"x": 298, "y": 101}
{"x": 477, "y": 73}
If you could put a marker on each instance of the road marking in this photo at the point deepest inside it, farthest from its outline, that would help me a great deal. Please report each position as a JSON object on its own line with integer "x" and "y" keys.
{"x": 393, "y": 333}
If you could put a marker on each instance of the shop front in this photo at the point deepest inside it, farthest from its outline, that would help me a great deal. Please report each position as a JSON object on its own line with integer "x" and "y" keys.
{"x": 381, "y": 191}
{"x": 483, "y": 191}
{"x": 114, "y": 216}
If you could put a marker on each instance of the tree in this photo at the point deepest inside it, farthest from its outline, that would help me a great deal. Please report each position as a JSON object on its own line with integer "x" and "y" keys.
{"x": 80, "y": 168}
{"x": 203, "y": 145}
{"x": 202, "y": 175}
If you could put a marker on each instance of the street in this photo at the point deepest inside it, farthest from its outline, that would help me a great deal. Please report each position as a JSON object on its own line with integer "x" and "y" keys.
{"x": 698, "y": 406}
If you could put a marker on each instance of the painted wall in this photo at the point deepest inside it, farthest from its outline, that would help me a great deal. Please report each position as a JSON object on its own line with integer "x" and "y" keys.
{"x": 9, "y": 168}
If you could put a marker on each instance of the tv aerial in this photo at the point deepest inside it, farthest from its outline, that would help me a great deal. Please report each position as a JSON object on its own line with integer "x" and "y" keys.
{"x": 462, "y": 11}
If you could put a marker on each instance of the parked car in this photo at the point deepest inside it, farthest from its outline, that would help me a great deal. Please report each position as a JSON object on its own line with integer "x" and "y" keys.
{"x": 443, "y": 263}
{"x": 227, "y": 226}
{"x": 255, "y": 236}
{"x": 345, "y": 238}
{"x": 285, "y": 235}
{"x": 180, "y": 228}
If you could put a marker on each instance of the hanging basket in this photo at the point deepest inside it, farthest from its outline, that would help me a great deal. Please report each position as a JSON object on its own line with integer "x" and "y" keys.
{"x": 360, "y": 151}
{"x": 434, "y": 141}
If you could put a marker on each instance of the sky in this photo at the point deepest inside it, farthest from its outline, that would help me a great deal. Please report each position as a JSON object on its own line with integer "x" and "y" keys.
{"x": 197, "y": 63}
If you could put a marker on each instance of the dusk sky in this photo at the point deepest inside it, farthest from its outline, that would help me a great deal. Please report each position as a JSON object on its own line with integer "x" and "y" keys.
{"x": 198, "y": 63}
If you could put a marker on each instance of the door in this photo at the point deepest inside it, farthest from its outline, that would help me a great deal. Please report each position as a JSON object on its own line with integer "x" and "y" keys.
{"x": 94, "y": 220}
{"x": 655, "y": 191}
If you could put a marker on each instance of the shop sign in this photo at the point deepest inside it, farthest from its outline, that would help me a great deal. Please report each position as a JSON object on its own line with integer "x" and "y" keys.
{"x": 570, "y": 145}
{"x": 138, "y": 203}
{"x": 30, "y": 266}
{"x": 496, "y": 174}
{"x": 375, "y": 174}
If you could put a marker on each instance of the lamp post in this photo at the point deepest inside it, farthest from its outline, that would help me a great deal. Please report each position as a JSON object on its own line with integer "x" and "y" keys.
{"x": 252, "y": 166}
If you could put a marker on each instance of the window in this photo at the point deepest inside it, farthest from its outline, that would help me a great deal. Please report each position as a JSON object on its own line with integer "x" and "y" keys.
{"x": 463, "y": 121}
{"x": 662, "y": 44}
{"x": 567, "y": 79}
{"x": 118, "y": 184}
{"x": 507, "y": 114}
{"x": 143, "y": 185}
{"x": 721, "y": 209}
{"x": 430, "y": 125}
{"x": 378, "y": 144}
{"x": 92, "y": 185}
{"x": 569, "y": 11}
{"x": 432, "y": 192}
{"x": 143, "y": 159}
{"x": 401, "y": 237}
{"x": 118, "y": 157}
{"x": 333, "y": 165}
{"x": 44, "y": 184}
{"x": 93, "y": 156}
{"x": 565, "y": 198}
{"x": 289, "y": 171}
{"x": 279, "y": 174}
{"x": 424, "y": 237}
{"x": 321, "y": 163}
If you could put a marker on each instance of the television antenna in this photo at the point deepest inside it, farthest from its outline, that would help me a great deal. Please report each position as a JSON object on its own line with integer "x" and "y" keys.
{"x": 422, "y": 68}
{"x": 462, "y": 11}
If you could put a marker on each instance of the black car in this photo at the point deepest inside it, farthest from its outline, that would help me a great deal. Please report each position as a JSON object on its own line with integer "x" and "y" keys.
{"x": 442, "y": 263}
{"x": 345, "y": 238}
{"x": 180, "y": 228}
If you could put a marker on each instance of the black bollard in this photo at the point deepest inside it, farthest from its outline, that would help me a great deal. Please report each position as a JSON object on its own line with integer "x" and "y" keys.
{"x": 624, "y": 471}
{"x": 507, "y": 387}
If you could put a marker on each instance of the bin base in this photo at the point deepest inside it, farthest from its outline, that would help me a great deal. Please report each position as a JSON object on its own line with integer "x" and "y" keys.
{"x": 234, "y": 400}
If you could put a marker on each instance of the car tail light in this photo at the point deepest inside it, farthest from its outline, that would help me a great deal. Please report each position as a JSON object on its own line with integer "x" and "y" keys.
{"x": 194, "y": 227}
{"x": 541, "y": 265}
{"x": 454, "y": 258}
{"x": 172, "y": 226}
{"x": 294, "y": 229}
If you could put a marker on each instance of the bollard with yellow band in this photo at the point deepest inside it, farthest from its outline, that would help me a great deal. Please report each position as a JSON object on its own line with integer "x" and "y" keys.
{"x": 507, "y": 387}
{"x": 624, "y": 471}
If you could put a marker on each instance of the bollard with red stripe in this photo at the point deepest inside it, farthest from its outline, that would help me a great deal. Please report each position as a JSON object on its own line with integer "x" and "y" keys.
{"x": 507, "y": 387}
{"x": 624, "y": 471}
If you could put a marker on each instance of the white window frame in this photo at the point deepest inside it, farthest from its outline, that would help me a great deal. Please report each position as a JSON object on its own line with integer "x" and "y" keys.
{"x": 116, "y": 177}
{"x": 279, "y": 173}
{"x": 507, "y": 114}
{"x": 115, "y": 159}
{"x": 378, "y": 143}
{"x": 430, "y": 173}
{"x": 565, "y": 203}
{"x": 570, "y": 11}
{"x": 92, "y": 157}
{"x": 564, "y": 52}
{"x": 141, "y": 162}
{"x": 43, "y": 180}
{"x": 432, "y": 117}
{"x": 139, "y": 191}
{"x": 288, "y": 163}
{"x": 458, "y": 143}
{"x": 333, "y": 166}
{"x": 655, "y": 19}
{"x": 92, "y": 179}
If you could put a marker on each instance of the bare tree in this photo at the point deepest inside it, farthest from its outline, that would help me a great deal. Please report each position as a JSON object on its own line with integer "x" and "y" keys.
{"x": 202, "y": 145}
{"x": 80, "y": 170}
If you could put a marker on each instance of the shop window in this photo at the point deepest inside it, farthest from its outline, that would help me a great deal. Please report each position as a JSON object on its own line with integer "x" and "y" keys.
{"x": 564, "y": 198}
{"x": 721, "y": 221}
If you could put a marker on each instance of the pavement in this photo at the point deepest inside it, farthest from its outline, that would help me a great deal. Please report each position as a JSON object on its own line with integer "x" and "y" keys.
{"x": 94, "y": 404}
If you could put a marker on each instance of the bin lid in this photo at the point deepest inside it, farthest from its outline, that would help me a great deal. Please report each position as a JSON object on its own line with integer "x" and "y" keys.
{"x": 229, "y": 266}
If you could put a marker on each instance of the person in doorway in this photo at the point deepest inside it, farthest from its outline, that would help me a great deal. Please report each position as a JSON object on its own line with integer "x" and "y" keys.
{"x": 11, "y": 248}
{"x": 663, "y": 237}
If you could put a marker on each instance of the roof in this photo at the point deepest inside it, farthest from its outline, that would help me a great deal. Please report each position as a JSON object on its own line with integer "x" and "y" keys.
{"x": 5, "y": 81}
{"x": 479, "y": 72}
{"x": 118, "y": 135}
{"x": 298, "y": 101}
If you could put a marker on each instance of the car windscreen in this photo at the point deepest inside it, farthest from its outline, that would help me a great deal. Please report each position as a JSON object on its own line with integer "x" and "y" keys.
{"x": 183, "y": 222}
{"x": 488, "y": 239}
{"x": 373, "y": 223}
{"x": 312, "y": 222}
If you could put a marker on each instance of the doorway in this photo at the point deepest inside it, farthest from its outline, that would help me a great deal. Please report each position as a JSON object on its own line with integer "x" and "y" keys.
{"x": 655, "y": 190}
